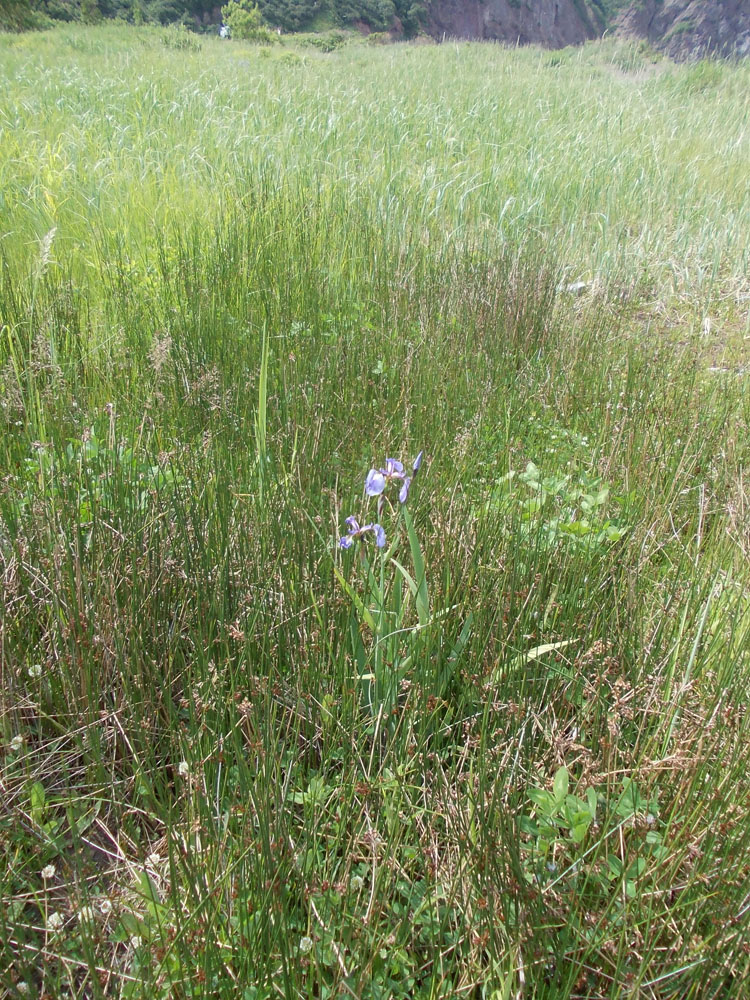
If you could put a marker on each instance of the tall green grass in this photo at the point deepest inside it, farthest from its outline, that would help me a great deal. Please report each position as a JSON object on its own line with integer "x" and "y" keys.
{"x": 230, "y": 283}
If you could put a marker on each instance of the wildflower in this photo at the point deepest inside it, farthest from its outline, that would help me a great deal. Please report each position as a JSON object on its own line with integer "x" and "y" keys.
{"x": 55, "y": 921}
{"x": 183, "y": 769}
{"x": 22, "y": 987}
{"x": 48, "y": 872}
{"x": 153, "y": 859}
{"x": 378, "y": 479}
{"x": 35, "y": 670}
{"x": 16, "y": 743}
{"x": 105, "y": 907}
{"x": 355, "y": 531}
{"x": 85, "y": 915}
{"x": 305, "y": 945}
{"x": 356, "y": 883}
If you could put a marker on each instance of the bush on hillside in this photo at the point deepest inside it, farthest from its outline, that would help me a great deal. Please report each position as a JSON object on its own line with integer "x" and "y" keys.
{"x": 245, "y": 21}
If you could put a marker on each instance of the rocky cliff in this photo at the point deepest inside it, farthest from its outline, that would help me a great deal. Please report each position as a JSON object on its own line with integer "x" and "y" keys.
{"x": 551, "y": 23}
{"x": 681, "y": 28}
{"x": 688, "y": 28}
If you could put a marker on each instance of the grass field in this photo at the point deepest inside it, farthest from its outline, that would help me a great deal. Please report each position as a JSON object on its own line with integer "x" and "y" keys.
{"x": 504, "y": 755}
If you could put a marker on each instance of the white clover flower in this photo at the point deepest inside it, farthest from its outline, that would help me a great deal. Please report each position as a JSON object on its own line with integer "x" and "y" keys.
{"x": 22, "y": 987}
{"x": 48, "y": 872}
{"x": 55, "y": 921}
{"x": 16, "y": 743}
{"x": 183, "y": 769}
{"x": 105, "y": 907}
{"x": 305, "y": 945}
{"x": 35, "y": 670}
{"x": 356, "y": 883}
{"x": 153, "y": 859}
{"x": 135, "y": 941}
{"x": 85, "y": 915}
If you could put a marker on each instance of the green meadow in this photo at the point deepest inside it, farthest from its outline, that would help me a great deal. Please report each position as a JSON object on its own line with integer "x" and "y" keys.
{"x": 501, "y": 755}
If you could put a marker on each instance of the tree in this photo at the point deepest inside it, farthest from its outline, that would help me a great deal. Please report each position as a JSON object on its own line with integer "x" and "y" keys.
{"x": 291, "y": 15}
{"x": 90, "y": 12}
{"x": 19, "y": 15}
{"x": 245, "y": 21}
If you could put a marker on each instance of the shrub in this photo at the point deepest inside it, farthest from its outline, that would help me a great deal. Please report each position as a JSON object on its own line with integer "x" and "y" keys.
{"x": 178, "y": 36}
{"x": 327, "y": 43}
{"x": 245, "y": 21}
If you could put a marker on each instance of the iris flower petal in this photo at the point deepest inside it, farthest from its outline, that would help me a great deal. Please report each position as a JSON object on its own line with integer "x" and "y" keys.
{"x": 346, "y": 542}
{"x": 379, "y": 536}
{"x": 375, "y": 483}
{"x": 417, "y": 462}
{"x": 393, "y": 467}
{"x": 404, "y": 492}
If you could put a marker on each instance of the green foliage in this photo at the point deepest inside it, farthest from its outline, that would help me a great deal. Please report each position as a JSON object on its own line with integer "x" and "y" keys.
{"x": 607, "y": 10}
{"x": 378, "y": 14}
{"x": 93, "y": 478}
{"x": 90, "y": 11}
{"x": 603, "y": 844}
{"x": 291, "y": 15}
{"x": 60, "y": 10}
{"x": 328, "y": 42}
{"x": 412, "y": 15}
{"x": 245, "y": 21}
{"x": 177, "y": 36}
{"x": 20, "y": 15}
{"x": 163, "y": 11}
{"x": 558, "y": 510}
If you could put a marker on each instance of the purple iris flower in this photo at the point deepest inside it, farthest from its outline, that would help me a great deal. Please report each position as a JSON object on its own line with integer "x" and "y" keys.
{"x": 355, "y": 531}
{"x": 378, "y": 479}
